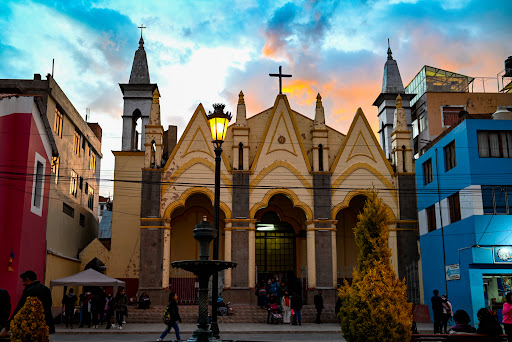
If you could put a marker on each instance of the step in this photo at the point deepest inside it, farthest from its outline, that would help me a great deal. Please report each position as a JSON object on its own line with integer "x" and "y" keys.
{"x": 243, "y": 314}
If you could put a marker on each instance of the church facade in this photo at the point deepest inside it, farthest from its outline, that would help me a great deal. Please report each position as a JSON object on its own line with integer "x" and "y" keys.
{"x": 291, "y": 189}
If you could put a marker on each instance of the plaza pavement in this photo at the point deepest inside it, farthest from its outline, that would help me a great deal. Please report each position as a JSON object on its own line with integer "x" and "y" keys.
{"x": 231, "y": 328}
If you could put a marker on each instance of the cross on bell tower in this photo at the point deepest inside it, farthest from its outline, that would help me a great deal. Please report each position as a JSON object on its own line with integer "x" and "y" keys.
{"x": 141, "y": 28}
{"x": 280, "y": 75}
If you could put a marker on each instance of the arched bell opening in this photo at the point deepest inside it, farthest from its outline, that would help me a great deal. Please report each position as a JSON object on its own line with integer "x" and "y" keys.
{"x": 136, "y": 136}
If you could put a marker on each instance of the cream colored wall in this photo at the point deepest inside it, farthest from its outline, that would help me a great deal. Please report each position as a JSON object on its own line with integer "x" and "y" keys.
{"x": 65, "y": 234}
{"x": 125, "y": 248}
{"x": 475, "y": 103}
{"x": 94, "y": 250}
{"x": 58, "y": 267}
{"x": 193, "y": 161}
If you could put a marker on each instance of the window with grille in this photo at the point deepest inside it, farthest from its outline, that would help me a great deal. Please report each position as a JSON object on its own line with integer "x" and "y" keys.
{"x": 451, "y": 115}
{"x": 449, "y": 156}
{"x": 275, "y": 251}
{"x": 431, "y": 218}
{"x": 454, "y": 204}
{"x": 90, "y": 201}
{"x": 497, "y": 199}
{"x": 494, "y": 144}
{"x": 76, "y": 143}
{"x": 55, "y": 168}
{"x": 57, "y": 125}
{"x": 73, "y": 184}
{"x": 427, "y": 172}
{"x": 92, "y": 162}
{"x": 68, "y": 210}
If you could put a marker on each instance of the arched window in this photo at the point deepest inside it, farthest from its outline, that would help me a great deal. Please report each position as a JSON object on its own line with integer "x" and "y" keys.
{"x": 153, "y": 153}
{"x": 240, "y": 156}
{"x": 320, "y": 157}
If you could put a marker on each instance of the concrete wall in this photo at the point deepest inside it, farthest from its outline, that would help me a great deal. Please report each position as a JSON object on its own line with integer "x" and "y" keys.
{"x": 126, "y": 215}
{"x": 475, "y": 103}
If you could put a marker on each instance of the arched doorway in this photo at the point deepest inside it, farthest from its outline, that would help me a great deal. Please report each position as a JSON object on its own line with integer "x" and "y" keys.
{"x": 185, "y": 247}
{"x": 280, "y": 241}
{"x": 346, "y": 248}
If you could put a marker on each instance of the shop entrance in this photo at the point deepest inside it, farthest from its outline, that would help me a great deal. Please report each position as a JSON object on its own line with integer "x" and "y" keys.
{"x": 495, "y": 289}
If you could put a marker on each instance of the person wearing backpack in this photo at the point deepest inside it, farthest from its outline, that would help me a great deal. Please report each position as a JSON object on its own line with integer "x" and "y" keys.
{"x": 171, "y": 317}
{"x": 447, "y": 313}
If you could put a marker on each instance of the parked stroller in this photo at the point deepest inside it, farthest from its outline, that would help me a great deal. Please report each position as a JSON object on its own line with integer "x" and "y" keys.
{"x": 275, "y": 314}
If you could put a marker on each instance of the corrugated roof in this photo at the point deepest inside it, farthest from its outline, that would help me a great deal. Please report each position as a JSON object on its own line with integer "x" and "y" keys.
{"x": 105, "y": 229}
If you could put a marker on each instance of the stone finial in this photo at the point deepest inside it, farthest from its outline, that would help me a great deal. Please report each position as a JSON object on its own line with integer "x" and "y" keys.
{"x": 318, "y": 100}
{"x": 319, "y": 113}
{"x": 141, "y": 43}
{"x": 399, "y": 101}
{"x": 156, "y": 96}
{"x": 241, "y": 118}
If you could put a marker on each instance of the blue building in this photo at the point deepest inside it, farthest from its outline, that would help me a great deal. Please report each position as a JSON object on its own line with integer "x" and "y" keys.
{"x": 464, "y": 191}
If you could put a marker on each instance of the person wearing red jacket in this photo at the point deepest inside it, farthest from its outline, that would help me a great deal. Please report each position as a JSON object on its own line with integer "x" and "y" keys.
{"x": 507, "y": 316}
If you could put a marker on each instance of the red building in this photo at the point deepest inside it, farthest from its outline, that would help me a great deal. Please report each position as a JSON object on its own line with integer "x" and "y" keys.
{"x": 26, "y": 151}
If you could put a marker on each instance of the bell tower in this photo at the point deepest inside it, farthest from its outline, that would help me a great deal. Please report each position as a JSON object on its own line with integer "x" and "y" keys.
{"x": 137, "y": 96}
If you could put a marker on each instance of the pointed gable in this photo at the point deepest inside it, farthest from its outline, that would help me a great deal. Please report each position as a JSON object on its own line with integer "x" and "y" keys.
{"x": 198, "y": 143}
{"x": 281, "y": 140}
{"x": 193, "y": 155}
{"x": 360, "y": 149}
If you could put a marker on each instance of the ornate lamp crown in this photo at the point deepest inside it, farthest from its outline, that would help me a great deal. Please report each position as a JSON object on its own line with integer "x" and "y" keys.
{"x": 218, "y": 121}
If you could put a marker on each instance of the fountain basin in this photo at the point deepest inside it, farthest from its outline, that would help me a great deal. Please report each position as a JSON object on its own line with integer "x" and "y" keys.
{"x": 203, "y": 267}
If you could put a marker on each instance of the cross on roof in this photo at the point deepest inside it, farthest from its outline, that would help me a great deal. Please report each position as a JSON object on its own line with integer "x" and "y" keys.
{"x": 280, "y": 75}
{"x": 141, "y": 27}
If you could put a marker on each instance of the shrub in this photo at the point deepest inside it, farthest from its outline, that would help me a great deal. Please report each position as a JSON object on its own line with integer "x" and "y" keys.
{"x": 374, "y": 307}
{"x": 29, "y": 324}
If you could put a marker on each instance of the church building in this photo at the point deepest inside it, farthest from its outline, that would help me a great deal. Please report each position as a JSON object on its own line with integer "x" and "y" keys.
{"x": 291, "y": 189}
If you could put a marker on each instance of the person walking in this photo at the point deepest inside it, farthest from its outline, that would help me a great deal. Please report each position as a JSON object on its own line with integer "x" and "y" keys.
{"x": 447, "y": 313}
{"x": 319, "y": 305}
{"x": 121, "y": 307}
{"x": 296, "y": 307}
{"x": 507, "y": 316}
{"x": 69, "y": 302}
{"x": 172, "y": 317}
{"x": 34, "y": 288}
{"x": 437, "y": 308}
{"x": 285, "y": 304}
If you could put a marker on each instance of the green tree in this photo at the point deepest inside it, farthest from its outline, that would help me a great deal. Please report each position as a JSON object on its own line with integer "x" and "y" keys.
{"x": 374, "y": 307}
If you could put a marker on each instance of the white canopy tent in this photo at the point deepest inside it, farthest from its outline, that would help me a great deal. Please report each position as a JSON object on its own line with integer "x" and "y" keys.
{"x": 88, "y": 277}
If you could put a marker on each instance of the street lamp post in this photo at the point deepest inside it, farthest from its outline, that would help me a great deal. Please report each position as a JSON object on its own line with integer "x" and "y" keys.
{"x": 218, "y": 121}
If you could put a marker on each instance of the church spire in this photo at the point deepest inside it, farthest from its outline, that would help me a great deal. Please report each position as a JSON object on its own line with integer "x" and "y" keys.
{"x": 392, "y": 82}
{"x": 140, "y": 70}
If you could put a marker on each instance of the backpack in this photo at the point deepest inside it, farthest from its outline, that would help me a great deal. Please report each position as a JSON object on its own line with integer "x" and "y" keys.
{"x": 167, "y": 316}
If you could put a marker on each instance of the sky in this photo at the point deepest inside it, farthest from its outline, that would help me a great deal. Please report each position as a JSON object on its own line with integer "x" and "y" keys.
{"x": 207, "y": 51}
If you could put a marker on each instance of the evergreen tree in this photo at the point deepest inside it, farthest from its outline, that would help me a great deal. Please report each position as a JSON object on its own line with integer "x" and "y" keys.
{"x": 374, "y": 307}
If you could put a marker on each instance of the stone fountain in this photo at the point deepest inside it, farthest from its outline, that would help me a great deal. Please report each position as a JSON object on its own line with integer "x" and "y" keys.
{"x": 203, "y": 269}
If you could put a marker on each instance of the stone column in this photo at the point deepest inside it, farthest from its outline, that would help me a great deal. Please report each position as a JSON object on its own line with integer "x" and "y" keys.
{"x": 153, "y": 243}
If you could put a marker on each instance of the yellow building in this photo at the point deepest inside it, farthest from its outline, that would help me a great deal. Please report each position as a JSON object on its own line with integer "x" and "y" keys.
{"x": 291, "y": 189}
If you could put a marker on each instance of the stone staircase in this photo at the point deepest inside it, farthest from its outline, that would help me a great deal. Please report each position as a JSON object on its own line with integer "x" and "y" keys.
{"x": 243, "y": 314}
